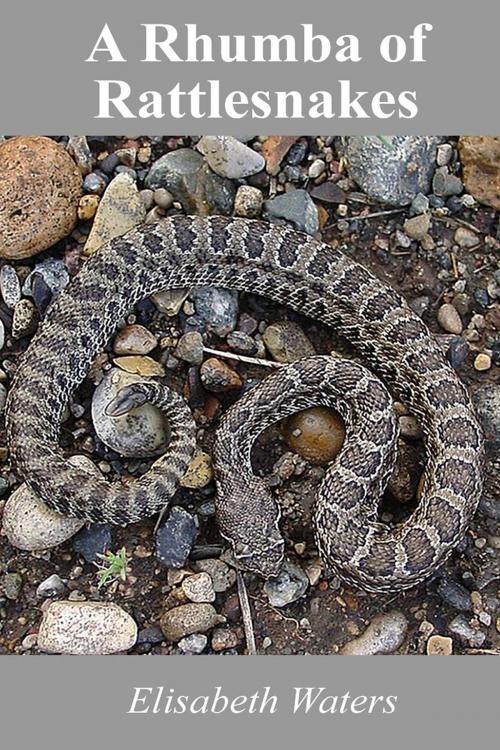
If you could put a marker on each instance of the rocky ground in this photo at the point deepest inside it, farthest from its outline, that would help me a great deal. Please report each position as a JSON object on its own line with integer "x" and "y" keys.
{"x": 421, "y": 213}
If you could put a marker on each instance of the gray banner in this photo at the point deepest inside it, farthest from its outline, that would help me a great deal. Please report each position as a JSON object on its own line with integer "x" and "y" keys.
{"x": 86, "y": 702}
{"x": 47, "y": 87}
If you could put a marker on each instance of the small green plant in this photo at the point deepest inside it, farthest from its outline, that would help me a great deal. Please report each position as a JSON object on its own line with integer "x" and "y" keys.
{"x": 114, "y": 567}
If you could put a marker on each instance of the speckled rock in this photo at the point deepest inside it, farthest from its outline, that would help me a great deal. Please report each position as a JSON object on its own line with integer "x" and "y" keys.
{"x": 288, "y": 586}
{"x": 40, "y": 186}
{"x": 191, "y": 182}
{"x": 487, "y": 402}
{"x": 139, "y": 433}
{"x": 189, "y": 618}
{"x": 391, "y": 175}
{"x": 79, "y": 149}
{"x": 30, "y": 525}
{"x": 190, "y": 348}
{"x": 316, "y": 434}
{"x": 200, "y": 471}
{"x": 134, "y": 339}
{"x": 120, "y": 210}
{"x": 480, "y": 157}
{"x": 218, "y": 377}
{"x": 384, "y": 635}
{"x": 439, "y": 645}
{"x": 51, "y": 587}
{"x": 195, "y": 643}
{"x": 175, "y": 538}
{"x": 286, "y": 342}
{"x": 199, "y": 588}
{"x": 24, "y": 320}
{"x": 223, "y": 577}
{"x": 248, "y": 202}
{"x": 296, "y": 207}
{"x": 230, "y": 158}
{"x": 10, "y": 286}
{"x": 218, "y": 308}
{"x": 86, "y": 628}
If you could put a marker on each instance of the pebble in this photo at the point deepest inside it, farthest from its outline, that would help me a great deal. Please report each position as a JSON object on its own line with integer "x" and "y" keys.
{"x": 87, "y": 207}
{"x": 190, "y": 348}
{"x": 466, "y": 237}
{"x": 199, "y": 588}
{"x": 195, "y": 643}
{"x": 217, "y": 308}
{"x": 229, "y": 158}
{"x": 384, "y": 635}
{"x": 439, "y": 645}
{"x": 120, "y": 210}
{"x": 455, "y": 595}
{"x": 54, "y": 274}
{"x": 480, "y": 158}
{"x": 3, "y": 397}
{"x": 461, "y": 627}
{"x": 329, "y": 192}
{"x": 217, "y": 377}
{"x": 92, "y": 541}
{"x": 134, "y": 339}
{"x": 51, "y": 587}
{"x": 417, "y": 227}
{"x": 449, "y": 319}
{"x": 12, "y": 584}
{"x": 457, "y": 352}
{"x": 291, "y": 584}
{"x": 419, "y": 204}
{"x": 79, "y": 149}
{"x": 189, "y": 618}
{"x": 140, "y": 365}
{"x": 86, "y": 628}
{"x": 487, "y": 402}
{"x": 10, "y": 286}
{"x": 444, "y": 154}
{"x": 95, "y": 183}
{"x": 317, "y": 434}
{"x": 41, "y": 187}
{"x": 175, "y": 538}
{"x": 170, "y": 301}
{"x": 445, "y": 184}
{"x": 191, "y": 182}
{"x": 286, "y": 342}
{"x": 140, "y": 433}
{"x": 275, "y": 149}
{"x": 224, "y": 639}
{"x": 296, "y": 207}
{"x": 25, "y": 319}
{"x": 248, "y": 202}
{"x": 30, "y": 525}
{"x": 199, "y": 473}
{"x": 482, "y": 362}
{"x": 242, "y": 343}
{"x": 391, "y": 175}
{"x": 223, "y": 577}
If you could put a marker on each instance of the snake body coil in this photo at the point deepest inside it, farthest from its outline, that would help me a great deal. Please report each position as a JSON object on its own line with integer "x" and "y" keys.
{"x": 319, "y": 281}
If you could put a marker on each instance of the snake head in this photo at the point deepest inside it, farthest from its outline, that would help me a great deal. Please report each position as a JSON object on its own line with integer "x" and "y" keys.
{"x": 265, "y": 562}
{"x": 128, "y": 398}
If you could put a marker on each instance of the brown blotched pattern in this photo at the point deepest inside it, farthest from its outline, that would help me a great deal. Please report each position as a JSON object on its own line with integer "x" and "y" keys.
{"x": 319, "y": 281}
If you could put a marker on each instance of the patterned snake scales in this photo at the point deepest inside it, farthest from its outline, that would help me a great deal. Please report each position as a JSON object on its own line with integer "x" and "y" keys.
{"x": 315, "y": 279}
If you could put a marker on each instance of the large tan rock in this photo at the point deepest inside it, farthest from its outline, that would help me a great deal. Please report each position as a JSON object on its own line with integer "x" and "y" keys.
{"x": 480, "y": 157}
{"x": 40, "y": 186}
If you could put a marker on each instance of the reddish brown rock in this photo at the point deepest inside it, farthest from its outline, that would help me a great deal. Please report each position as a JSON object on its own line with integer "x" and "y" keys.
{"x": 480, "y": 157}
{"x": 316, "y": 434}
{"x": 40, "y": 187}
{"x": 275, "y": 149}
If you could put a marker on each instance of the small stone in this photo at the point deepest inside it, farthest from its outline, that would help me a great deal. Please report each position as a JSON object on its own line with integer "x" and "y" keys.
{"x": 224, "y": 639}
{"x": 445, "y": 184}
{"x": 248, "y": 202}
{"x": 170, "y": 301}
{"x": 230, "y": 158}
{"x": 444, "y": 154}
{"x": 417, "y": 227}
{"x": 120, "y": 210}
{"x": 144, "y": 366}
{"x": 95, "y": 183}
{"x": 218, "y": 308}
{"x": 54, "y": 274}
{"x": 480, "y": 157}
{"x": 223, "y": 577}
{"x": 384, "y": 635}
{"x": 288, "y": 586}
{"x": 487, "y": 403}
{"x": 51, "y": 587}
{"x": 218, "y": 377}
{"x": 93, "y": 541}
{"x": 295, "y": 207}
{"x": 449, "y": 319}
{"x": 461, "y": 627}
{"x": 11, "y": 585}
{"x": 87, "y": 207}
{"x": 455, "y": 595}
{"x": 439, "y": 645}
{"x": 317, "y": 168}
{"x": 163, "y": 199}
{"x": 24, "y": 320}
{"x": 457, "y": 352}
{"x": 140, "y": 432}
{"x": 199, "y": 473}
{"x": 286, "y": 342}
{"x": 329, "y": 192}
{"x": 466, "y": 237}
{"x": 482, "y": 362}
{"x": 175, "y": 538}
{"x": 193, "y": 644}
{"x": 134, "y": 339}
{"x": 79, "y": 149}
{"x": 86, "y": 628}
{"x": 199, "y": 588}
{"x": 189, "y": 618}
{"x": 317, "y": 433}
{"x": 420, "y": 204}
{"x": 40, "y": 189}
{"x": 190, "y": 348}
{"x": 10, "y": 286}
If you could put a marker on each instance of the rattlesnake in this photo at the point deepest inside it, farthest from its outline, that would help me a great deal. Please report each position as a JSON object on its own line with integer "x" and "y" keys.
{"x": 321, "y": 282}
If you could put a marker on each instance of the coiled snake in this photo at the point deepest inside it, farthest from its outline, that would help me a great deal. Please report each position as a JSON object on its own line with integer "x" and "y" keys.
{"x": 317, "y": 280}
